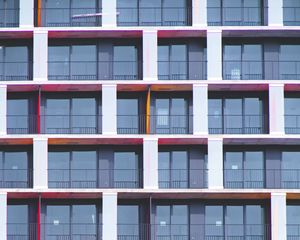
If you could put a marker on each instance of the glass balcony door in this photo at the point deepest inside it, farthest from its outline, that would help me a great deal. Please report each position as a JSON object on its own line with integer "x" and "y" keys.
{"x": 289, "y": 64}
{"x": 18, "y": 226}
{"x": 173, "y": 169}
{"x": 128, "y": 223}
{"x": 9, "y": 12}
{"x": 129, "y": 120}
{"x": 291, "y": 13}
{"x": 293, "y": 220}
{"x": 290, "y": 170}
{"x": 171, "y": 222}
{"x": 292, "y": 115}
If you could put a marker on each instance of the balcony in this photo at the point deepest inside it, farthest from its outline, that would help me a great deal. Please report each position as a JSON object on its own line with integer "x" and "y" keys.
{"x": 67, "y": 231}
{"x": 93, "y": 178}
{"x": 131, "y": 124}
{"x": 16, "y": 71}
{"x": 244, "y": 178}
{"x": 292, "y": 124}
{"x": 293, "y": 231}
{"x": 71, "y": 124}
{"x": 182, "y": 178}
{"x": 154, "y": 16}
{"x": 16, "y": 178}
{"x": 93, "y": 70}
{"x": 20, "y": 231}
{"x": 171, "y": 124}
{"x": 9, "y": 17}
{"x": 182, "y": 70}
{"x": 236, "y": 124}
{"x": 22, "y": 124}
{"x": 291, "y": 15}
{"x": 70, "y": 17}
{"x": 260, "y": 70}
{"x": 234, "y": 16}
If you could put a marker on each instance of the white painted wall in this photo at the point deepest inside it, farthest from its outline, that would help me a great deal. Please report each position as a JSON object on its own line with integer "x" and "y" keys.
{"x": 3, "y": 109}
{"x": 109, "y": 215}
{"x": 214, "y": 54}
{"x": 215, "y": 163}
{"x": 150, "y": 52}
{"x": 40, "y": 55}
{"x": 109, "y": 109}
{"x": 199, "y": 13}
{"x": 278, "y": 216}
{"x": 26, "y": 13}
{"x": 3, "y": 216}
{"x": 40, "y": 163}
{"x": 275, "y": 13}
{"x": 276, "y": 108}
{"x": 200, "y": 109}
{"x": 150, "y": 164}
{"x": 109, "y": 11}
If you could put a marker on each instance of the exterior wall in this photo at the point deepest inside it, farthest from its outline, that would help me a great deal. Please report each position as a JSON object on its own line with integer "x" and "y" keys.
{"x": 3, "y": 216}
{"x": 109, "y": 109}
{"x": 40, "y": 163}
{"x": 275, "y": 13}
{"x": 40, "y": 55}
{"x": 150, "y": 52}
{"x": 3, "y": 109}
{"x": 109, "y": 213}
{"x": 199, "y": 13}
{"x": 215, "y": 163}
{"x": 109, "y": 11}
{"x": 276, "y": 108}
{"x": 150, "y": 164}
{"x": 278, "y": 213}
{"x": 26, "y": 13}
{"x": 214, "y": 54}
{"x": 200, "y": 109}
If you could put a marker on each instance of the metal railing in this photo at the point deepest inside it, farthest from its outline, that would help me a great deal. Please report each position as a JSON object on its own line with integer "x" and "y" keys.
{"x": 171, "y": 124}
{"x": 234, "y": 16}
{"x": 71, "y": 231}
{"x": 16, "y": 178}
{"x": 22, "y": 231}
{"x": 182, "y": 178}
{"x": 70, "y": 17}
{"x": 217, "y": 231}
{"x": 93, "y": 178}
{"x": 131, "y": 124}
{"x": 244, "y": 178}
{"x": 154, "y": 16}
{"x": 16, "y": 71}
{"x": 293, "y": 231}
{"x": 22, "y": 124}
{"x": 292, "y": 124}
{"x": 291, "y": 16}
{"x": 236, "y": 124}
{"x": 9, "y": 17}
{"x": 71, "y": 124}
{"x": 182, "y": 70}
{"x": 283, "y": 178}
{"x": 93, "y": 70}
{"x": 260, "y": 70}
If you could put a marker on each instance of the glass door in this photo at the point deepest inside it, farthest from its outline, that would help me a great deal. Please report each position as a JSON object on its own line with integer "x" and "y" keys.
{"x": 18, "y": 222}
{"x": 214, "y": 222}
{"x": 18, "y": 118}
{"x": 128, "y": 222}
{"x": 234, "y": 171}
{"x": 233, "y": 116}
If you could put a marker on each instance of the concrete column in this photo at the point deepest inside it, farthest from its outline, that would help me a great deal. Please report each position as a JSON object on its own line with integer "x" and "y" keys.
{"x": 40, "y": 55}
{"x": 215, "y": 163}
{"x": 199, "y": 13}
{"x": 109, "y": 13}
{"x": 3, "y": 216}
{"x": 40, "y": 163}
{"x": 214, "y": 54}
{"x": 150, "y": 52}
{"x": 276, "y": 108}
{"x": 109, "y": 215}
{"x": 26, "y": 13}
{"x": 275, "y": 12}
{"x": 200, "y": 109}
{"x": 150, "y": 164}
{"x": 3, "y": 109}
{"x": 278, "y": 216}
{"x": 109, "y": 109}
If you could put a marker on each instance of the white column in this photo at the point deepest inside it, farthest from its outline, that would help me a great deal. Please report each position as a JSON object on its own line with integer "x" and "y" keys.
{"x": 275, "y": 12}
{"x": 109, "y": 215}
{"x": 40, "y": 55}
{"x": 109, "y": 109}
{"x": 150, "y": 52}
{"x": 215, "y": 163}
{"x": 199, "y": 13}
{"x": 26, "y": 13}
{"x": 200, "y": 109}
{"x": 214, "y": 54}
{"x": 3, "y": 109}
{"x": 278, "y": 216}
{"x": 109, "y": 11}
{"x": 150, "y": 164}
{"x": 3, "y": 216}
{"x": 40, "y": 163}
{"x": 276, "y": 108}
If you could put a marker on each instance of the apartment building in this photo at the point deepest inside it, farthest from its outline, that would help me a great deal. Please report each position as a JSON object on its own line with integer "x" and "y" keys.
{"x": 149, "y": 119}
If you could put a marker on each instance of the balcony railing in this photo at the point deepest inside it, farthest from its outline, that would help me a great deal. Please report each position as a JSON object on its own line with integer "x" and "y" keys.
{"x": 67, "y": 231}
{"x": 93, "y": 70}
{"x": 236, "y": 124}
{"x": 194, "y": 231}
{"x": 22, "y": 124}
{"x": 182, "y": 178}
{"x": 182, "y": 70}
{"x": 71, "y": 124}
{"x": 292, "y": 124}
{"x": 293, "y": 231}
{"x": 16, "y": 178}
{"x": 70, "y": 17}
{"x": 93, "y": 178}
{"x": 131, "y": 124}
{"x": 284, "y": 178}
{"x": 260, "y": 70}
{"x": 22, "y": 231}
{"x": 234, "y": 16}
{"x": 154, "y": 16}
{"x": 9, "y": 17}
{"x": 244, "y": 178}
{"x": 171, "y": 124}
{"x": 291, "y": 16}
{"x": 15, "y": 71}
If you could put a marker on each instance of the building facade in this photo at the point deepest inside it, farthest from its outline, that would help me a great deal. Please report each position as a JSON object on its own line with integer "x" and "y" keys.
{"x": 149, "y": 119}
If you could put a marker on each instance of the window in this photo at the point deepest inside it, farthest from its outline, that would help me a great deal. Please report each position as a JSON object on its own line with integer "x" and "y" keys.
{"x": 244, "y": 169}
{"x": 9, "y": 12}
{"x": 243, "y": 62}
{"x": 18, "y": 222}
{"x": 293, "y": 219}
{"x": 291, "y": 13}
{"x": 65, "y": 115}
{"x": 289, "y": 64}
{"x": 129, "y": 120}
{"x": 128, "y": 222}
{"x": 290, "y": 168}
